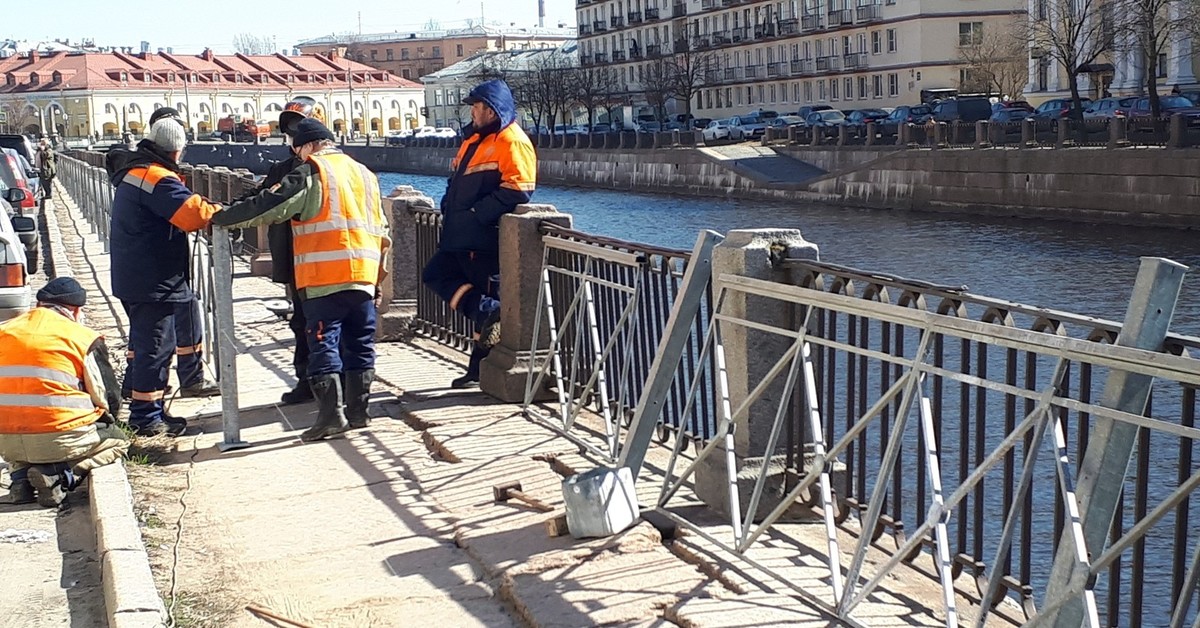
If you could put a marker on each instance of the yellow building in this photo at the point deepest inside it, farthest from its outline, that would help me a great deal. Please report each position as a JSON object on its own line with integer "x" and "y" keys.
{"x": 92, "y": 94}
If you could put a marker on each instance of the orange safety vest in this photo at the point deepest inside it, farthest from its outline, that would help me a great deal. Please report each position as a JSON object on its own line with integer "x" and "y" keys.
{"x": 41, "y": 374}
{"x": 343, "y": 242}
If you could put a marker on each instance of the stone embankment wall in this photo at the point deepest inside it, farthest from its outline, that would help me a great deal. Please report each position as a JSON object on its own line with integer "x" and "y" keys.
{"x": 1146, "y": 187}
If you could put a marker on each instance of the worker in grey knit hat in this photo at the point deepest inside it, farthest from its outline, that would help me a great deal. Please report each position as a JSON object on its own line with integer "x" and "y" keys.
{"x": 150, "y": 271}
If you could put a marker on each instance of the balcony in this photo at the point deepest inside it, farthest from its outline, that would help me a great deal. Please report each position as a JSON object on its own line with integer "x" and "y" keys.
{"x": 869, "y": 13}
{"x": 739, "y": 34}
{"x": 651, "y": 14}
{"x": 601, "y": 57}
{"x": 705, "y": 5}
{"x": 585, "y": 59}
{"x": 810, "y": 23}
{"x": 776, "y": 68}
{"x": 580, "y": 3}
{"x": 585, "y": 29}
{"x": 857, "y": 61}
{"x": 732, "y": 74}
{"x": 600, "y": 26}
{"x": 635, "y": 53}
{"x": 681, "y": 45}
{"x": 841, "y": 16}
{"x": 653, "y": 50}
{"x": 634, "y": 17}
{"x": 727, "y": 3}
{"x": 790, "y": 26}
{"x": 617, "y": 21}
{"x": 712, "y": 77}
{"x": 802, "y": 67}
{"x": 753, "y": 71}
{"x": 700, "y": 43}
{"x": 825, "y": 64}
{"x": 764, "y": 31}
{"x": 618, "y": 56}
{"x": 679, "y": 9}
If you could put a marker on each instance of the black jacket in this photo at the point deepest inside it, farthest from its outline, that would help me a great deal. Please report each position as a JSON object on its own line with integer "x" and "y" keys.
{"x": 279, "y": 236}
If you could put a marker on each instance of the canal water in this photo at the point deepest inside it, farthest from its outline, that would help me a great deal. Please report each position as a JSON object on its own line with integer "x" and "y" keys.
{"x": 1079, "y": 268}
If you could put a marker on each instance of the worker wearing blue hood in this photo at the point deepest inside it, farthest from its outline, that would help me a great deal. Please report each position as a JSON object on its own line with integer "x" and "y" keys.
{"x": 495, "y": 170}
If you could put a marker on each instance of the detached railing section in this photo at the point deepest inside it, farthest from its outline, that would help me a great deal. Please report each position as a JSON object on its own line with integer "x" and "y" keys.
{"x": 211, "y": 266}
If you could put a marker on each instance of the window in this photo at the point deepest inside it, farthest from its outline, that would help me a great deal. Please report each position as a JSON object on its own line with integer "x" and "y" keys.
{"x": 437, "y": 52}
{"x": 877, "y": 86}
{"x": 891, "y": 37}
{"x": 833, "y": 89}
{"x": 458, "y": 50}
{"x": 893, "y": 85}
{"x": 1162, "y": 65}
{"x": 848, "y": 85}
{"x": 404, "y": 53}
{"x": 391, "y": 54}
{"x": 862, "y": 88}
{"x": 970, "y": 33}
{"x": 406, "y": 73}
{"x": 821, "y": 90}
{"x": 862, "y": 43}
{"x": 34, "y": 79}
{"x": 374, "y": 55}
{"x": 760, "y": 94}
{"x": 876, "y": 43}
{"x": 796, "y": 92}
{"x": 808, "y": 91}
{"x": 437, "y": 98}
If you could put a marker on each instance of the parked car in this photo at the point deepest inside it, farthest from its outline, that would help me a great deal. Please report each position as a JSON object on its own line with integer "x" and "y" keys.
{"x": 970, "y": 109}
{"x": 1057, "y": 109}
{"x": 826, "y": 122}
{"x": 1140, "y": 113}
{"x": 807, "y": 109}
{"x": 904, "y": 114}
{"x": 14, "y": 261}
{"x": 857, "y": 120}
{"x": 1108, "y": 108}
{"x": 649, "y": 126}
{"x": 718, "y": 130}
{"x": 1011, "y": 104}
{"x": 700, "y": 123}
{"x": 786, "y": 121}
{"x": 15, "y": 175}
{"x": 1192, "y": 96}
{"x": 28, "y": 159}
{"x": 1009, "y": 120}
{"x": 602, "y": 127}
{"x": 747, "y": 127}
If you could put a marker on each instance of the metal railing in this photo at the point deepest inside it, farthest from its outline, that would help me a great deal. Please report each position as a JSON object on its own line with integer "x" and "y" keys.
{"x": 605, "y": 304}
{"x": 956, "y": 424}
{"x": 211, "y": 270}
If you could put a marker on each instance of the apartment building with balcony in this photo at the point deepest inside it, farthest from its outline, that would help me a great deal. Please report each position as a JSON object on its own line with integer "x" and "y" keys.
{"x": 782, "y": 54}
{"x": 416, "y": 54}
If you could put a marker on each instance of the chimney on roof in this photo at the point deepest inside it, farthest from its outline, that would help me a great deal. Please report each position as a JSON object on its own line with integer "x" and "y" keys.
{"x": 207, "y": 55}
{"x": 33, "y": 55}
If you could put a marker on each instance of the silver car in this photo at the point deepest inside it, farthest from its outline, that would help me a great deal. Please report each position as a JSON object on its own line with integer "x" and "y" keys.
{"x": 14, "y": 276}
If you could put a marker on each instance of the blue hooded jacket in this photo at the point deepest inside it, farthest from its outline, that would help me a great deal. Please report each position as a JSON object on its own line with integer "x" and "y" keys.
{"x": 495, "y": 170}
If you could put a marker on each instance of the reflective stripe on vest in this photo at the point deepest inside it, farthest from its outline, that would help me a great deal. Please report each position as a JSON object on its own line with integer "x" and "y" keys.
{"x": 342, "y": 244}
{"x": 42, "y": 356}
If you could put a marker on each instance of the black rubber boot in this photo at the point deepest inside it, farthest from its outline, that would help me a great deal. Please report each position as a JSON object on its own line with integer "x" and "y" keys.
{"x": 302, "y": 393}
{"x": 358, "y": 395}
{"x": 330, "y": 420}
{"x": 21, "y": 492}
{"x": 470, "y": 379}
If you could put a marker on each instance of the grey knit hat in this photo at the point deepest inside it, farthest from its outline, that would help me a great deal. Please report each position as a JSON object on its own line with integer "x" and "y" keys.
{"x": 168, "y": 134}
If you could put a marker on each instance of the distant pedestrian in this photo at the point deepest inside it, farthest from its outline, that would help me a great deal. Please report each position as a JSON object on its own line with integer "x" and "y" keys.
{"x": 152, "y": 210}
{"x": 1175, "y": 91}
{"x": 58, "y": 390}
{"x": 47, "y": 164}
{"x": 340, "y": 241}
{"x": 495, "y": 170}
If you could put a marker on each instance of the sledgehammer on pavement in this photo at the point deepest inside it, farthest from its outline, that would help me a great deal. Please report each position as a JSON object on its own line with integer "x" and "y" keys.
{"x": 512, "y": 490}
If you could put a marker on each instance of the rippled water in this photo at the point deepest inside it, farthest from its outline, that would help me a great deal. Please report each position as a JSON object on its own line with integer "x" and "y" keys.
{"x": 1061, "y": 265}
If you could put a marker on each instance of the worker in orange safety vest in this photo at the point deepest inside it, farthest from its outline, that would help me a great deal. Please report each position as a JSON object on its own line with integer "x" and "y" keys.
{"x": 58, "y": 395}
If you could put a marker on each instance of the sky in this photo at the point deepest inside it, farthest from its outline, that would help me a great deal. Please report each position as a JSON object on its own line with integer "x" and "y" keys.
{"x": 187, "y": 28}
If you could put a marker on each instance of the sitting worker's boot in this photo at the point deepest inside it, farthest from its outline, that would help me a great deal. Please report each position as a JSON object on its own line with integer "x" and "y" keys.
{"x": 21, "y": 492}
{"x": 203, "y": 388}
{"x": 470, "y": 379}
{"x": 302, "y": 393}
{"x": 330, "y": 420}
{"x": 358, "y": 395}
{"x": 51, "y": 487}
{"x": 489, "y": 332}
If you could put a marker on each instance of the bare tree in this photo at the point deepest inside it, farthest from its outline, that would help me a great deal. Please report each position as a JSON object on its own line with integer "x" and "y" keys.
{"x": 658, "y": 85}
{"x": 1072, "y": 33}
{"x": 1147, "y": 28}
{"x": 248, "y": 44}
{"x": 595, "y": 88}
{"x": 688, "y": 71}
{"x": 998, "y": 63}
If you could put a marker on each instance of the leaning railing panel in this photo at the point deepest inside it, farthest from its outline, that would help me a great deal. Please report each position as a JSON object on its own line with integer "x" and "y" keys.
{"x": 434, "y": 317}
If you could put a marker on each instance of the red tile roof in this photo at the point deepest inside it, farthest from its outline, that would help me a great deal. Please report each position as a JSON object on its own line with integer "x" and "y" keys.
{"x": 103, "y": 71}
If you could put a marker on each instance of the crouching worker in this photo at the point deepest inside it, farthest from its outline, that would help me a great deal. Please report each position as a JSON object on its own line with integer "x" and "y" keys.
{"x": 58, "y": 395}
{"x": 339, "y": 244}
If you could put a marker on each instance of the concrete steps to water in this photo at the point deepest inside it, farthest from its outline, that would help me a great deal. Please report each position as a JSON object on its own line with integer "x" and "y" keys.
{"x": 764, "y": 165}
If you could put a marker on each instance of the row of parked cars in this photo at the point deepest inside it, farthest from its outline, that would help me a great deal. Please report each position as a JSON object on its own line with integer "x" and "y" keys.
{"x": 19, "y": 190}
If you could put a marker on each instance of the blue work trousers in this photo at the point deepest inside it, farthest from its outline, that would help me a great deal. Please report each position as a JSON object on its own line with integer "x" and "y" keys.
{"x": 156, "y": 330}
{"x": 340, "y": 329}
{"x": 469, "y": 281}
